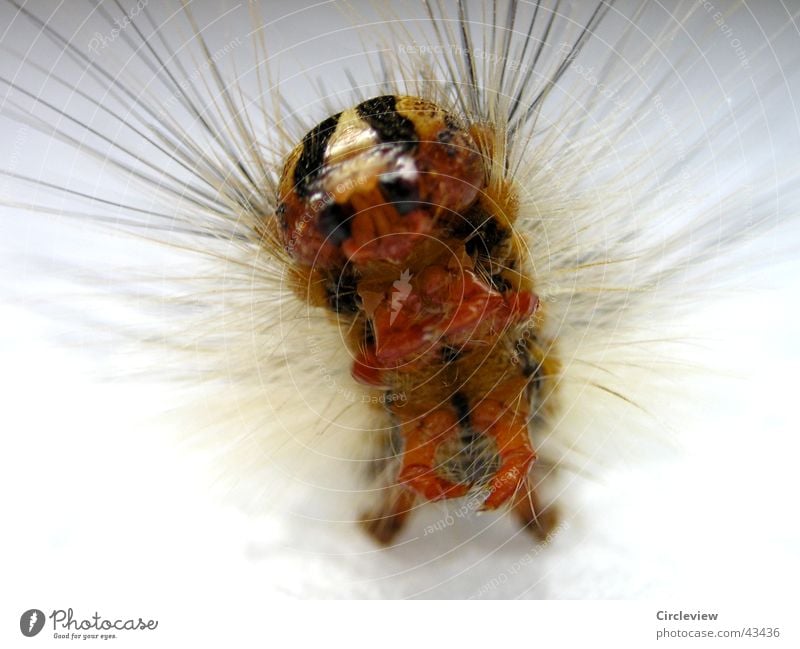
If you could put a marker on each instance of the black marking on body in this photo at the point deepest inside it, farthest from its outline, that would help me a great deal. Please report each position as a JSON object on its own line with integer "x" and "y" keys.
{"x": 446, "y": 135}
{"x": 312, "y": 157}
{"x": 500, "y": 283}
{"x": 470, "y": 457}
{"x": 401, "y": 192}
{"x": 281, "y": 214}
{"x": 369, "y": 333}
{"x": 445, "y": 138}
{"x": 335, "y": 223}
{"x": 487, "y": 238}
{"x": 341, "y": 292}
{"x": 531, "y": 368}
{"x": 460, "y": 404}
{"x": 534, "y": 372}
{"x": 392, "y": 127}
{"x": 450, "y": 354}
{"x": 481, "y": 232}
{"x": 451, "y": 122}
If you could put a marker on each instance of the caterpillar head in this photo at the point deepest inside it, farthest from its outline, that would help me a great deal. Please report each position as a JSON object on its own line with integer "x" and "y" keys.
{"x": 366, "y": 184}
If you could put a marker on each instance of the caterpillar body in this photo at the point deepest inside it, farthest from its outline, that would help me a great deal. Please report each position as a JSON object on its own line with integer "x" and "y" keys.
{"x": 391, "y": 213}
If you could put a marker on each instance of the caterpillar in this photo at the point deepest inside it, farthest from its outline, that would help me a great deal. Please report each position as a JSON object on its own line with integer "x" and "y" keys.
{"x": 396, "y": 224}
{"x": 446, "y": 265}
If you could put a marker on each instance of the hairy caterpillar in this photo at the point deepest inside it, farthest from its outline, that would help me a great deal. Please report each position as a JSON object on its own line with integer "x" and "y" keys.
{"x": 582, "y": 133}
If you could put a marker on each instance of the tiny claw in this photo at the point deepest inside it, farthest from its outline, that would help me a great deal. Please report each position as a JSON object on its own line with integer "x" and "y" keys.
{"x": 507, "y": 425}
{"x": 384, "y": 523}
{"x": 509, "y": 477}
{"x": 422, "y": 438}
{"x": 540, "y": 520}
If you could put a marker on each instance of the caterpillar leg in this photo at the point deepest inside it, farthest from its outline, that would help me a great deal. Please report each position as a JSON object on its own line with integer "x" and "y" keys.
{"x": 539, "y": 520}
{"x": 509, "y": 429}
{"x": 422, "y": 437}
{"x": 388, "y": 520}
